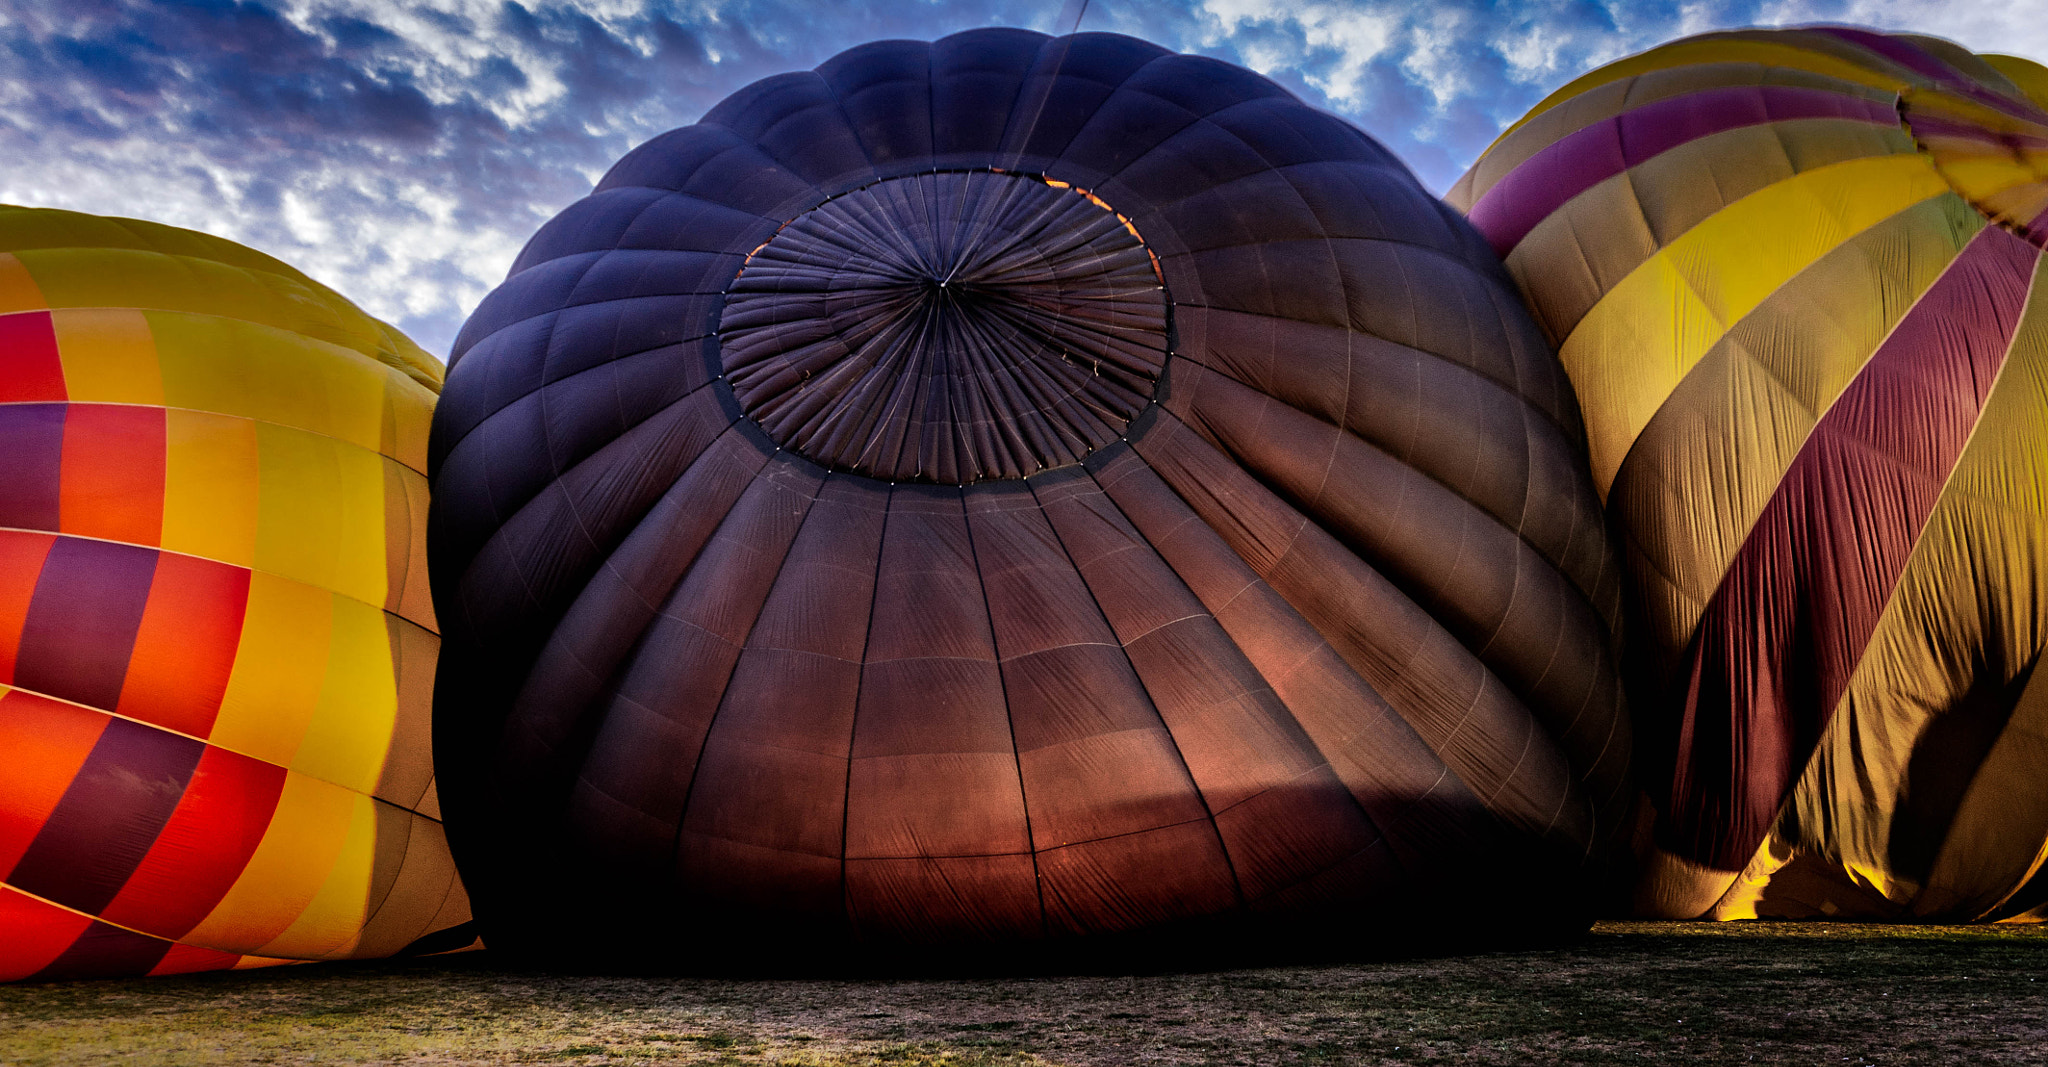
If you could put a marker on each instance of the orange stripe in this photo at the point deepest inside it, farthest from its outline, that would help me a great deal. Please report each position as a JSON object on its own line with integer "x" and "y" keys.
{"x": 21, "y": 563}
{"x": 30, "y": 368}
{"x": 113, "y": 480}
{"x": 46, "y": 743}
{"x": 202, "y": 849}
{"x": 37, "y": 933}
{"x": 185, "y": 646}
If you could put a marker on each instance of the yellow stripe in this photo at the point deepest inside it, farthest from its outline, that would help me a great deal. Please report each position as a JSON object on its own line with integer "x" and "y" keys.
{"x": 322, "y": 514}
{"x": 280, "y": 668}
{"x": 332, "y": 921}
{"x": 210, "y": 486}
{"x": 108, "y": 355}
{"x": 1630, "y": 351}
{"x": 313, "y": 827}
{"x": 1965, "y": 600}
{"x": 351, "y": 728}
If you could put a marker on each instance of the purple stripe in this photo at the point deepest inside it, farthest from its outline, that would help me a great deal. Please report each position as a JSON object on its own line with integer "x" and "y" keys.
{"x": 1906, "y": 55}
{"x": 110, "y": 816}
{"x": 32, "y": 442}
{"x": 1926, "y": 63}
{"x": 1550, "y": 178}
{"x": 82, "y": 621}
{"x": 104, "y": 951}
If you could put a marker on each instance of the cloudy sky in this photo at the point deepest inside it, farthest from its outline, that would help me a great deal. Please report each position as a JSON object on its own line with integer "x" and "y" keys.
{"x": 403, "y": 151}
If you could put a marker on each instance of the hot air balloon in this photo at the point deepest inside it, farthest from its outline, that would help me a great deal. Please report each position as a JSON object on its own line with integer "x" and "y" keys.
{"x": 216, "y": 637}
{"x": 1010, "y": 494}
{"x": 1795, "y": 278}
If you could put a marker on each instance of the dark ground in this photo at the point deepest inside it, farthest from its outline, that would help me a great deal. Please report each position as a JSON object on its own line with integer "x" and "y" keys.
{"x": 1627, "y": 993}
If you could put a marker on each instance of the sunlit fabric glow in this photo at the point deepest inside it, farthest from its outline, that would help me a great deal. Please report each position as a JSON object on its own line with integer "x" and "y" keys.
{"x": 216, "y": 639}
{"x": 1225, "y": 556}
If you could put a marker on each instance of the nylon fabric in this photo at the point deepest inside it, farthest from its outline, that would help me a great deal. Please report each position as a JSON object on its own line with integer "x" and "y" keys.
{"x": 218, "y": 635}
{"x": 891, "y": 619}
{"x": 1806, "y": 352}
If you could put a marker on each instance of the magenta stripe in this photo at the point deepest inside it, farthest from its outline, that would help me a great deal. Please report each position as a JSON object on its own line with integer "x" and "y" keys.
{"x": 109, "y": 816}
{"x": 1926, "y": 63}
{"x": 1904, "y": 54}
{"x": 1529, "y": 193}
{"x": 1791, "y": 618}
{"x": 1925, "y": 126}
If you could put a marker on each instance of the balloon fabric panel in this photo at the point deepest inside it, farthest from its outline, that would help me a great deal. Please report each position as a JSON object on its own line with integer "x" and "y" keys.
{"x": 215, "y": 634}
{"x": 998, "y": 492}
{"x": 1822, "y": 242}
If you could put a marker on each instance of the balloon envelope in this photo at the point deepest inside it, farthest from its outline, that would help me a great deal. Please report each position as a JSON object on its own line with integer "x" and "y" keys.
{"x": 216, "y": 640}
{"x": 1795, "y": 277}
{"x": 1015, "y": 490}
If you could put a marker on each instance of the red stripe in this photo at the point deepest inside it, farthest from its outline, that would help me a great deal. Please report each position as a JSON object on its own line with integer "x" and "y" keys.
{"x": 185, "y": 646}
{"x": 113, "y": 474}
{"x": 37, "y": 933}
{"x": 29, "y": 367}
{"x": 185, "y": 959}
{"x": 1776, "y": 645}
{"x": 21, "y": 563}
{"x": 46, "y": 743}
{"x": 203, "y": 848}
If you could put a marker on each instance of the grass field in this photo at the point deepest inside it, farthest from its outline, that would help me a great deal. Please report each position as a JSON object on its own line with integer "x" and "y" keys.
{"x": 1627, "y": 993}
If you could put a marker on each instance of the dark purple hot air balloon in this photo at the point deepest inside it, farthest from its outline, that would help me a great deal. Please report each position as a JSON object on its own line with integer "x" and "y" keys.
{"x": 1010, "y": 492}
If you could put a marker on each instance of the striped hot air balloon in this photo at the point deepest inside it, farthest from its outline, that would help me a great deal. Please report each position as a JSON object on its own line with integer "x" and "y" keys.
{"x": 1795, "y": 278}
{"x": 216, "y": 641}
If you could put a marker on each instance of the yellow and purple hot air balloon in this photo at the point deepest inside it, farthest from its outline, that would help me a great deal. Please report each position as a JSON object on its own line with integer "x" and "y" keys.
{"x": 1795, "y": 278}
{"x": 216, "y": 641}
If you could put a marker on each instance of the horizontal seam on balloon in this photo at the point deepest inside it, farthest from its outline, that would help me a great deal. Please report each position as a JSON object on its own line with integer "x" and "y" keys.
{"x": 512, "y": 509}
{"x": 1585, "y": 596}
{"x": 223, "y": 563}
{"x": 394, "y": 373}
{"x": 1486, "y": 674}
{"x": 6, "y": 687}
{"x": 345, "y": 305}
{"x": 377, "y": 451}
{"x": 1508, "y": 388}
{"x": 1478, "y": 508}
{"x": 449, "y": 449}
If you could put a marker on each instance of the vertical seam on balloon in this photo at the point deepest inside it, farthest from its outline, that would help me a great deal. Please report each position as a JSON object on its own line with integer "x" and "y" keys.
{"x": 1236, "y": 883}
{"x": 1002, "y": 677}
{"x": 1486, "y": 674}
{"x": 1222, "y": 846}
{"x": 853, "y": 721}
{"x": 725, "y": 687}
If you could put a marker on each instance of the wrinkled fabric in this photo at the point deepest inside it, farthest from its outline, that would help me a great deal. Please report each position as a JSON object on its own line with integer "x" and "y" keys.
{"x": 1795, "y": 279}
{"x": 1224, "y": 557}
{"x": 217, "y": 641}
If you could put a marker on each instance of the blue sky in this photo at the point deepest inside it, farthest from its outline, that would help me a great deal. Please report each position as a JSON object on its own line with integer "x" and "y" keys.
{"x": 402, "y": 152}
